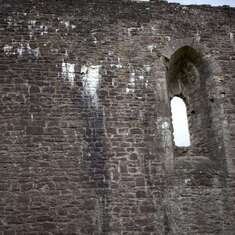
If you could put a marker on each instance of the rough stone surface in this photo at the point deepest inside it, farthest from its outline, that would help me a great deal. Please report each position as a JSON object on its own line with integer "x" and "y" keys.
{"x": 86, "y": 144}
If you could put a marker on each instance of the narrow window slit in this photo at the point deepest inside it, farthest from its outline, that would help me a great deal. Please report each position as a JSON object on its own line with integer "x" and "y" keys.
{"x": 180, "y": 122}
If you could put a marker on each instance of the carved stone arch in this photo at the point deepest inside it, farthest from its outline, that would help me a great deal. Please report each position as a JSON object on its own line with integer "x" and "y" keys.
{"x": 205, "y": 53}
{"x": 207, "y": 124}
{"x": 176, "y": 44}
{"x": 207, "y": 167}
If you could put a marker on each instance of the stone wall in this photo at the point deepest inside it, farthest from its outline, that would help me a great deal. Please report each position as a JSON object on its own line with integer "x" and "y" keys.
{"x": 86, "y": 141}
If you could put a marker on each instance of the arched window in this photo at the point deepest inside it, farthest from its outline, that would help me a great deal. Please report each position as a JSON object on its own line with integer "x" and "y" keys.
{"x": 180, "y": 122}
{"x": 189, "y": 76}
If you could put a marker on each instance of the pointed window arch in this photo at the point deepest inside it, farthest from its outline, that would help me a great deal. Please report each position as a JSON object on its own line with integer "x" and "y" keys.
{"x": 190, "y": 79}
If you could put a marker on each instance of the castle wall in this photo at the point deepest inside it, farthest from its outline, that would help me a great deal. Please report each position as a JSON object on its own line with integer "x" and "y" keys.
{"x": 86, "y": 141}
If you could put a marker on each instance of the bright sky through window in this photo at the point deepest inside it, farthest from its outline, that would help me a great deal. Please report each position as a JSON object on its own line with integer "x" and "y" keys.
{"x": 180, "y": 122}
